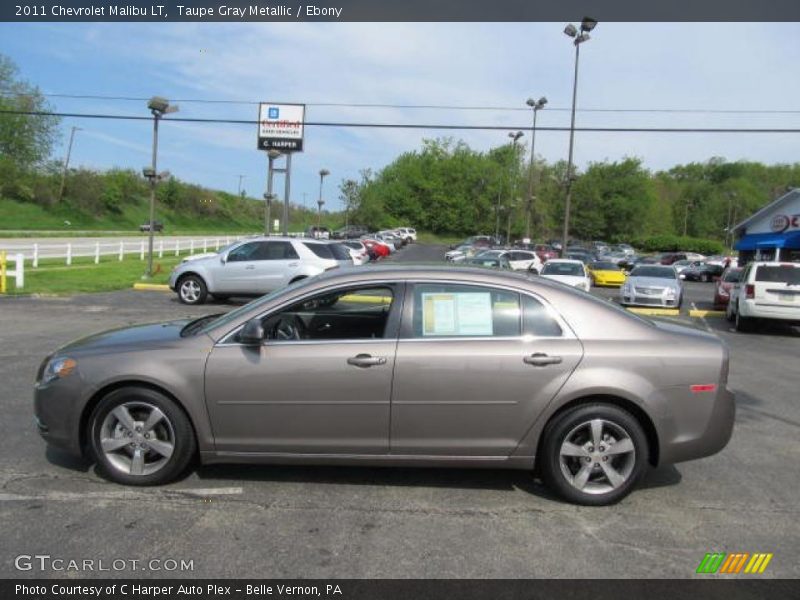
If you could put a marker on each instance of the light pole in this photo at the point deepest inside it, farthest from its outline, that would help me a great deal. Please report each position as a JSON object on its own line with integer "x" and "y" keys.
{"x": 578, "y": 38}
{"x": 536, "y": 106}
{"x": 515, "y": 136}
{"x": 66, "y": 163}
{"x": 322, "y": 174}
{"x": 158, "y": 108}
{"x": 269, "y": 196}
{"x": 240, "y": 184}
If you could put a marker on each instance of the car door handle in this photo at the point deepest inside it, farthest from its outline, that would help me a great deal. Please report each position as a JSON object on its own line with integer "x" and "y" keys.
{"x": 249, "y": 267}
{"x": 540, "y": 359}
{"x": 293, "y": 264}
{"x": 366, "y": 360}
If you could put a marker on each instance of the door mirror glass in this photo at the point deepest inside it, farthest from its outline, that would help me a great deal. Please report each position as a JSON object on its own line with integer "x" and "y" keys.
{"x": 252, "y": 333}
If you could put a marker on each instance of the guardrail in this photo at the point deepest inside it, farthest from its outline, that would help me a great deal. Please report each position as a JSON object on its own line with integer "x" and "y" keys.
{"x": 18, "y": 273}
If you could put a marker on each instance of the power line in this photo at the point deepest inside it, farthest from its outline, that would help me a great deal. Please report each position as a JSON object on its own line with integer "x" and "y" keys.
{"x": 413, "y": 125}
{"x": 425, "y": 106}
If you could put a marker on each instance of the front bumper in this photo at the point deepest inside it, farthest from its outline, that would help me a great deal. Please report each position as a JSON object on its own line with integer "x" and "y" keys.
{"x": 644, "y": 300}
{"x": 57, "y": 409}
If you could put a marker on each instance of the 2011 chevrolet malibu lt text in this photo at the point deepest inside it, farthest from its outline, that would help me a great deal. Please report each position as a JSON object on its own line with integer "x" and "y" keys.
{"x": 397, "y": 365}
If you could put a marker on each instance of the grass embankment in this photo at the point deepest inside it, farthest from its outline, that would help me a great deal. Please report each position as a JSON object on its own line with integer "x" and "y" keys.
{"x": 83, "y": 276}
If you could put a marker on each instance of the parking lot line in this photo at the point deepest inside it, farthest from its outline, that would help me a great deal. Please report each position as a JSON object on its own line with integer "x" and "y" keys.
{"x": 661, "y": 312}
{"x": 706, "y": 313}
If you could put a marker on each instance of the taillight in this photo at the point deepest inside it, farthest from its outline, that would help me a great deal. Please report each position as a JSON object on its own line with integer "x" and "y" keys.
{"x": 703, "y": 387}
{"x": 750, "y": 291}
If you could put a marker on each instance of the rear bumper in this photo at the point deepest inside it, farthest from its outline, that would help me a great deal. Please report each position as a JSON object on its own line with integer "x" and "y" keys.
{"x": 699, "y": 426}
{"x": 771, "y": 310}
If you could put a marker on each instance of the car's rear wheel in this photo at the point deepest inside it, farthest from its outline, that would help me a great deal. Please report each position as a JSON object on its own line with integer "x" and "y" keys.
{"x": 192, "y": 290}
{"x": 743, "y": 324}
{"x": 140, "y": 437}
{"x": 593, "y": 454}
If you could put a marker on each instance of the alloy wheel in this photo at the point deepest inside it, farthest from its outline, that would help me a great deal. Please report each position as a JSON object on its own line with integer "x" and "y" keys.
{"x": 597, "y": 456}
{"x": 137, "y": 438}
{"x": 190, "y": 291}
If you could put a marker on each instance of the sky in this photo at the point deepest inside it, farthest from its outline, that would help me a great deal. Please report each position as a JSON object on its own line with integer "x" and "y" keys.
{"x": 639, "y": 66}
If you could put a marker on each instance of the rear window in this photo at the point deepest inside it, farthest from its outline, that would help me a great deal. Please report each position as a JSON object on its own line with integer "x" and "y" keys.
{"x": 340, "y": 251}
{"x": 321, "y": 250}
{"x": 778, "y": 274}
{"x": 553, "y": 268}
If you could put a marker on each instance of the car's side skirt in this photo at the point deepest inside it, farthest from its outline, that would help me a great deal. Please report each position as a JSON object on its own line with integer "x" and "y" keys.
{"x": 370, "y": 460}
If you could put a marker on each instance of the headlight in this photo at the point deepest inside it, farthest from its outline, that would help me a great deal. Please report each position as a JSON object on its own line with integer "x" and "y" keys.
{"x": 58, "y": 368}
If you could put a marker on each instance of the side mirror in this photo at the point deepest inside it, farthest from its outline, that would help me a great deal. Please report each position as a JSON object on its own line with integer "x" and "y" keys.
{"x": 252, "y": 333}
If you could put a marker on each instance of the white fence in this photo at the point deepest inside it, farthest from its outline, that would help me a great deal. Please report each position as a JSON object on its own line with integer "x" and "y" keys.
{"x": 67, "y": 251}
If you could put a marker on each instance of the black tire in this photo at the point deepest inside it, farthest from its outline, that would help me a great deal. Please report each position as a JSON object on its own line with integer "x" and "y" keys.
{"x": 743, "y": 324}
{"x": 192, "y": 290}
{"x": 175, "y": 420}
{"x": 555, "y": 434}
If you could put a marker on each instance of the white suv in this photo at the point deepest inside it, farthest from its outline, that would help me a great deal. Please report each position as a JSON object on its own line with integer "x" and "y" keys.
{"x": 767, "y": 290}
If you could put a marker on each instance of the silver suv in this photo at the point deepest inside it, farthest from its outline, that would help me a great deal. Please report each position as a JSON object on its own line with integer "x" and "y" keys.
{"x": 255, "y": 266}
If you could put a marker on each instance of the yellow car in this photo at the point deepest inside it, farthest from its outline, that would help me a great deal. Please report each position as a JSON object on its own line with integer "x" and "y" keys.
{"x": 604, "y": 273}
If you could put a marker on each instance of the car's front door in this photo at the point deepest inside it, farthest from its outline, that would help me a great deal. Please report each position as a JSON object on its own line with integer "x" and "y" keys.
{"x": 475, "y": 366}
{"x": 319, "y": 384}
{"x": 239, "y": 270}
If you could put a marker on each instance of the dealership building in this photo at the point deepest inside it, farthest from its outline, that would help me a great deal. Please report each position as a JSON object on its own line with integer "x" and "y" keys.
{"x": 772, "y": 233}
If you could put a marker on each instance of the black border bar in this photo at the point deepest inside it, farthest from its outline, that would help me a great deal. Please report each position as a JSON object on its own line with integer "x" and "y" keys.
{"x": 708, "y": 587}
{"x": 399, "y": 10}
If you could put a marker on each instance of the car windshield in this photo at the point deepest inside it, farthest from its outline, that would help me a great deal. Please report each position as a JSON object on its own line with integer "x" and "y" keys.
{"x": 733, "y": 276}
{"x": 604, "y": 266}
{"x": 568, "y": 269}
{"x": 658, "y": 272}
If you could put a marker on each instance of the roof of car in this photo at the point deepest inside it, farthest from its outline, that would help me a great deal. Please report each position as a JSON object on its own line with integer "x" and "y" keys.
{"x": 564, "y": 260}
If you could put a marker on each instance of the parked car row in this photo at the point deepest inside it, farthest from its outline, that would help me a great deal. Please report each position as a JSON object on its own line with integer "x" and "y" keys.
{"x": 261, "y": 265}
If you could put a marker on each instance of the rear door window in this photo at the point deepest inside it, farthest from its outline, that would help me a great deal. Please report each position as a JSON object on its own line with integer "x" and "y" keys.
{"x": 321, "y": 250}
{"x": 276, "y": 251}
{"x": 451, "y": 310}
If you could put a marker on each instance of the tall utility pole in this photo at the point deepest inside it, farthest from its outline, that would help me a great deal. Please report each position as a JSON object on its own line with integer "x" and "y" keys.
{"x": 320, "y": 203}
{"x": 514, "y": 172}
{"x": 66, "y": 163}
{"x": 536, "y": 106}
{"x": 240, "y": 184}
{"x": 578, "y": 38}
{"x": 158, "y": 108}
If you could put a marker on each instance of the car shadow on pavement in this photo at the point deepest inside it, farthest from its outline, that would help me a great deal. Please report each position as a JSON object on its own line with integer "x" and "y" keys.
{"x": 485, "y": 479}
{"x": 65, "y": 460}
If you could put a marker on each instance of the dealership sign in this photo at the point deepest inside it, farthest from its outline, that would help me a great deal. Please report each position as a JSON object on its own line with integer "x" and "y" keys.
{"x": 280, "y": 127}
{"x": 781, "y": 223}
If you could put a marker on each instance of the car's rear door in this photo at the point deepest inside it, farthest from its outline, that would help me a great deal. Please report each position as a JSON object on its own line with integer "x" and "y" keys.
{"x": 475, "y": 366}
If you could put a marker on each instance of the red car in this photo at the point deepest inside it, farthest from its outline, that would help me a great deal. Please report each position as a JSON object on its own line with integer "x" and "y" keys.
{"x": 545, "y": 252}
{"x": 376, "y": 249}
{"x": 722, "y": 290}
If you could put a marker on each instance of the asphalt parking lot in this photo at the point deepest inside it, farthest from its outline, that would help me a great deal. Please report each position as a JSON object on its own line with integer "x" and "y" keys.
{"x": 319, "y": 522}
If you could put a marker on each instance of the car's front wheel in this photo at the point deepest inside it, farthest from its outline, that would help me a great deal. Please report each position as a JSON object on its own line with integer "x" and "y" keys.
{"x": 593, "y": 454}
{"x": 192, "y": 290}
{"x": 140, "y": 437}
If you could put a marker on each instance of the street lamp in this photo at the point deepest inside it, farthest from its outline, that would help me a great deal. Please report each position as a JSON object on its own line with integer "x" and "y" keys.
{"x": 322, "y": 174}
{"x": 536, "y": 106}
{"x": 578, "y": 37}
{"x": 66, "y": 163}
{"x": 268, "y": 198}
{"x": 515, "y": 136}
{"x": 158, "y": 108}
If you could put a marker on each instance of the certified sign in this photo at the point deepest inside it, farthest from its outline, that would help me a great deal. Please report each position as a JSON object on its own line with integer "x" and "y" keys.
{"x": 280, "y": 127}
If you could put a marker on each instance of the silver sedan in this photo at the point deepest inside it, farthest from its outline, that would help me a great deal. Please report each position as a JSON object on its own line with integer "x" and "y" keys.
{"x": 397, "y": 365}
{"x": 652, "y": 285}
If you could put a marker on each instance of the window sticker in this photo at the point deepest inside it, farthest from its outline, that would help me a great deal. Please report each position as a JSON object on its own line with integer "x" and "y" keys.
{"x": 467, "y": 314}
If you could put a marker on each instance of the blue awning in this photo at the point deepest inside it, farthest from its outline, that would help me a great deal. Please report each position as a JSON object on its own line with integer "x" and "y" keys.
{"x": 755, "y": 241}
